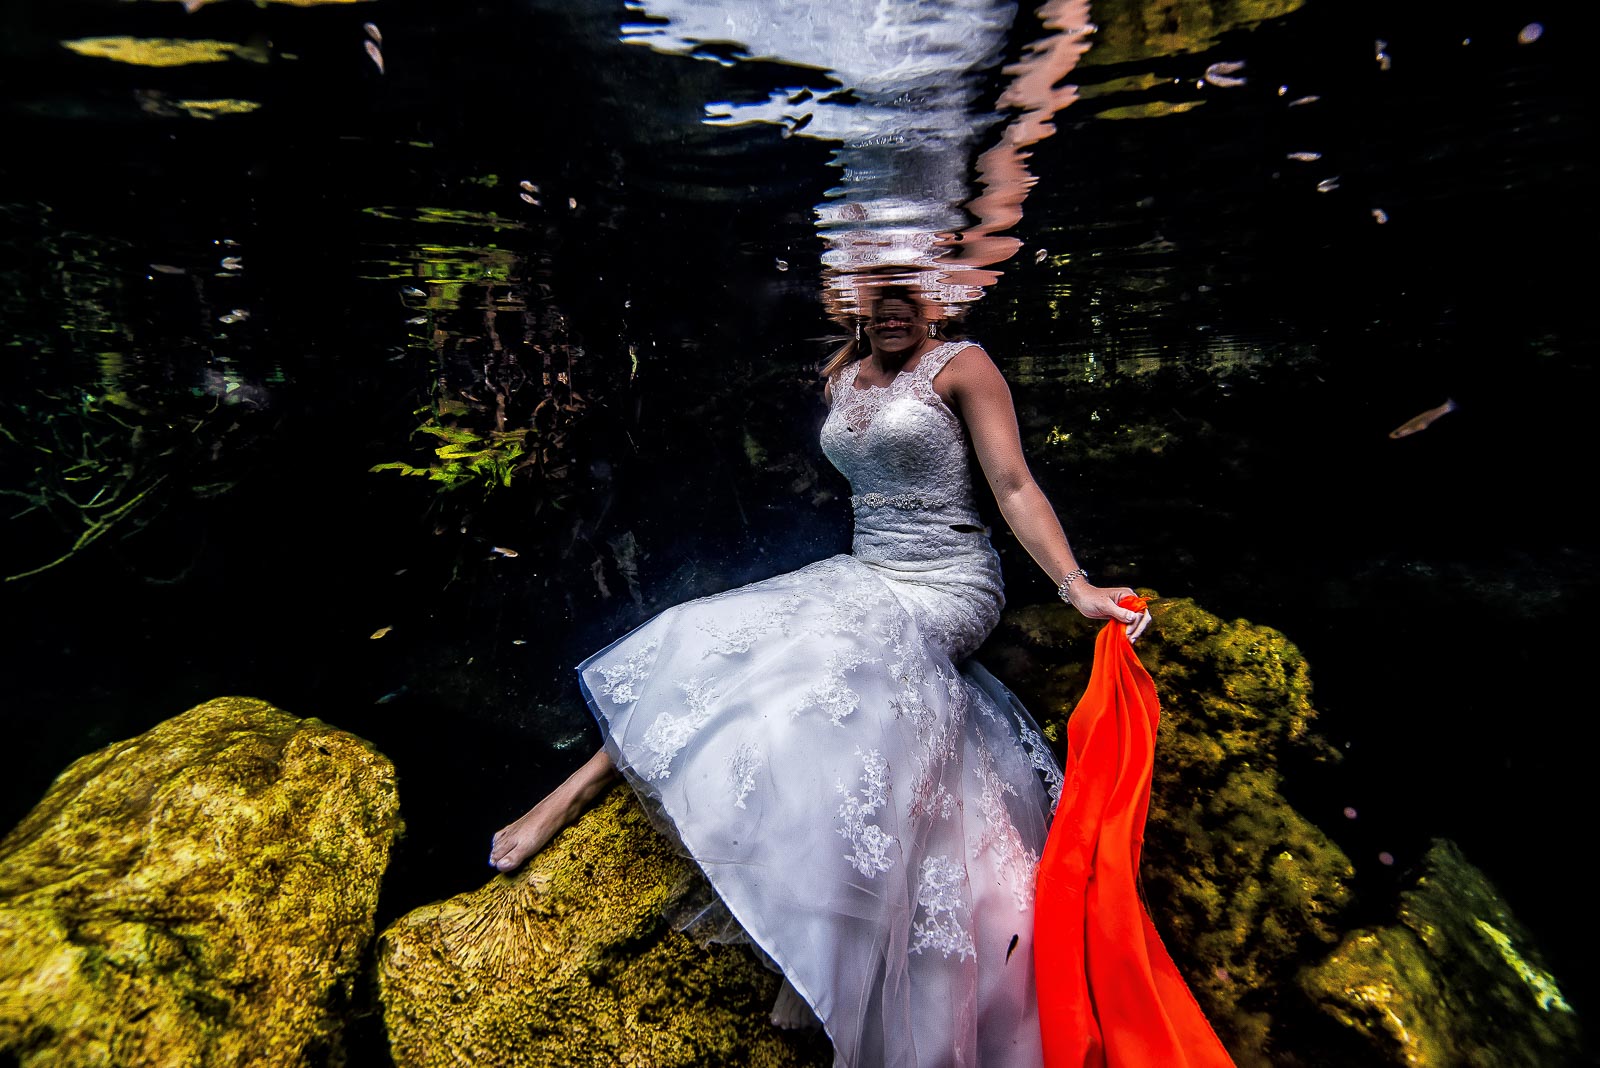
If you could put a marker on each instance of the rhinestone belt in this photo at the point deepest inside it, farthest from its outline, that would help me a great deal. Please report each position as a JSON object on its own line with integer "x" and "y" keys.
{"x": 909, "y": 502}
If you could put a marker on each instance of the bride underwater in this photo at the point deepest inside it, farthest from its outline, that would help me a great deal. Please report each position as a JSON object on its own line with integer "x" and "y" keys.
{"x": 868, "y": 803}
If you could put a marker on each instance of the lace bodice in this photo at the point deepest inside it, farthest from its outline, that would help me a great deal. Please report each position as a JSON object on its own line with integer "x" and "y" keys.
{"x": 900, "y": 445}
{"x": 905, "y": 454}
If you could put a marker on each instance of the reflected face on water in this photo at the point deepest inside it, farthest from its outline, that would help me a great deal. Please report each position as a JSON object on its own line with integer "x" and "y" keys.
{"x": 895, "y": 327}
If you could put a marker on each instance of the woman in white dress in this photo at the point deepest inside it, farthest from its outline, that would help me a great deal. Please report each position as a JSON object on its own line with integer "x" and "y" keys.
{"x": 869, "y": 804}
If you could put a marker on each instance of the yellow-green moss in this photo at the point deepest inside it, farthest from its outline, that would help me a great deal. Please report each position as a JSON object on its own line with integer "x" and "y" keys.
{"x": 1455, "y": 981}
{"x": 572, "y": 963}
{"x": 201, "y": 894}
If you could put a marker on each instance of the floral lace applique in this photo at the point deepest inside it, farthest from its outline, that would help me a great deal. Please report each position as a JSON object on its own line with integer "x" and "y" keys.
{"x": 1017, "y": 863}
{"x": 941, "y": 897}
{"x": 671, "y": 732}
{"x": 830, "y": 693}
{"x": 739, "y": 636}
{"x": 1042, "y": 758}
{"x": 870, "y": 845}
{"x": 743, "y": 763}
{"x": 621, "y": 680}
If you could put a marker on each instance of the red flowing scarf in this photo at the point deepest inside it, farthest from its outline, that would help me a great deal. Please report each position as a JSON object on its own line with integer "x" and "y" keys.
{"x": 1109, "y": 995}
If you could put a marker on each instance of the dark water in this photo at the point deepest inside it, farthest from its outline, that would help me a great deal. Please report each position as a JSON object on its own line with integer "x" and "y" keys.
{"x": 1207, "y": 351}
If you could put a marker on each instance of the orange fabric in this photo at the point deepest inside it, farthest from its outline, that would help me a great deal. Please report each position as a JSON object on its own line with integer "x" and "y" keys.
{"x": 1109, "y": 995}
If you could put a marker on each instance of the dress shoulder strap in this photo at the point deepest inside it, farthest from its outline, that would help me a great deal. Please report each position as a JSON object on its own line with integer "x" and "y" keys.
{"x": 933, "y": 360}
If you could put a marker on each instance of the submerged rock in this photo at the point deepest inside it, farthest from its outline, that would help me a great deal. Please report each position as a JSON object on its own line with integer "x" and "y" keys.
{"x": 1455, "y": 980}
{"x": 201, "y": 894}
{"x": 573, "y": 962}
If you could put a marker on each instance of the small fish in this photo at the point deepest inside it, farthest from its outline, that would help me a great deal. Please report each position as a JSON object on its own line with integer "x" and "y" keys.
{"x": 1386, "y": 859}
{"x": 390, "y": 696}
{"x": 1349, "y": 813}
{"x": 191, "y": 6}
{"x": 376, "y": 54}
{"x": 509, "y": 554}
{"x": 528, "y": 187}
{"x": 782, "y": 265}
{"x": 1012, "y": 948}
{"x": 1422, "y": 421}
{"x": 380, "y": 632}
{"x": 1312, "y": 99}
{"x": 232, "y": 263}
{"x": 1222, "y": 74}
{"x": 1039, "y": 257}
{"x": 416, "y": 320}
{"x": 1380, "y": 216}
{"x": 519, "y": 641}
{"x": 1327, "y": 185}
{"x": 412, "y": 291}
{"x": 1530, "y": 33}
{"x": 230, "y": 319}
{"x": 167, "y": 268}
{"x": 572, "y": 203}
{"x": 1381, "y": 54}
{"x": 1305, "y": 157}
{"x": 530, "y": 198}
{"x": 372, "y": 31}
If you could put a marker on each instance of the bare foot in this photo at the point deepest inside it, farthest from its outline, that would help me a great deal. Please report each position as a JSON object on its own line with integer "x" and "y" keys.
{"x": 790, "y": 1009}
{"x": 518, "y": 841}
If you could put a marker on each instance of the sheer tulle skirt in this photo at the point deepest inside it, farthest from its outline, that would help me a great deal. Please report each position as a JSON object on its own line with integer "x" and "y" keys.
{"x": 871, "y": 814}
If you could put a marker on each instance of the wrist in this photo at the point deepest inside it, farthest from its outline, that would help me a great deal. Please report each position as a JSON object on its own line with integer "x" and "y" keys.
{"x": 1076, "y": 577}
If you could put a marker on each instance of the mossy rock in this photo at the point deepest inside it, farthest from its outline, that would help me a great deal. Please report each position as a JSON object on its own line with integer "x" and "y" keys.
{"x": 1243, "y": 888}
{"x": 202, "y": 894}
{"x": 1455, "y": 981}
{"x": 573, "y": 962}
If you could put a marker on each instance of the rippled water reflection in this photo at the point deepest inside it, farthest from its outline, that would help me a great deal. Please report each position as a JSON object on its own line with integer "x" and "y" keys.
{"x": 298, "y": 346}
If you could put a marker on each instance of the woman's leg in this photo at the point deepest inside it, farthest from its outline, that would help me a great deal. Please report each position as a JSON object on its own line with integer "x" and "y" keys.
{"x": 518, "y": 841}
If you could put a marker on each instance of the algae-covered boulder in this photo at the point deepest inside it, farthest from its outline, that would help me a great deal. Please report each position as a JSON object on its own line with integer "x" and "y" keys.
{"x": 201, "y": 894}
{"x": 572, "y": 962}
{"x": 1455, "y": 980}
{"x": 1242, "y": 886}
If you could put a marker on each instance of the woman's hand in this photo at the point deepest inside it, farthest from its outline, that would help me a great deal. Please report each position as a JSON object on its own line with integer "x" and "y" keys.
{"x": 1100, "y": 602}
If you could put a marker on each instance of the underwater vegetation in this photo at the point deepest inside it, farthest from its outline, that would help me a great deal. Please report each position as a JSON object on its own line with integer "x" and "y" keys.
{"x": 574, "y": 962}
{"x": 201, "y": 894}
{"x": 205, "y": 893}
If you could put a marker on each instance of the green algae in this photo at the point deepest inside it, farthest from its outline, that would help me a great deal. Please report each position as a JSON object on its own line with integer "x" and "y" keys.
{"x": 572, "y": 962}
{"x": 201, "y": 894}
{"x": 1456, "y": 980}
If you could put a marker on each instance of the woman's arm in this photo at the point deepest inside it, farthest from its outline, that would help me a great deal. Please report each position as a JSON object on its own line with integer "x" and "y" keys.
{"x": 973, "y": 386}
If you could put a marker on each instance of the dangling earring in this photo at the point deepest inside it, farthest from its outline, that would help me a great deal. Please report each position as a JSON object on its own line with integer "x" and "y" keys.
{"x": 933, "y": 329}
{"x": 860, "y": 332}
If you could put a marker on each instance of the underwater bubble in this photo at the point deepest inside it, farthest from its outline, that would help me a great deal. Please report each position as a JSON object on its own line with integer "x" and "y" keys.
{"x": 1530, "y": 33}
{"x": 1386, "y": 859}
{"x": 1349, "y": 813}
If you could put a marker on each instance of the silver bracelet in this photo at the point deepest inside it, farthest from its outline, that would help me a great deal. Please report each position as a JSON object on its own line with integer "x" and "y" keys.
{"x": 1061, "y": 589}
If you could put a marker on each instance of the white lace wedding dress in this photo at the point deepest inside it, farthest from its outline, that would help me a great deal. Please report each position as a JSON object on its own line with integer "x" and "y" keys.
{"x": 869, "y": 807}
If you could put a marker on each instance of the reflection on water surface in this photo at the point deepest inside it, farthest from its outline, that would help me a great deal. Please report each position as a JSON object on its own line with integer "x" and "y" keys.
{"x": 561, "y": 275}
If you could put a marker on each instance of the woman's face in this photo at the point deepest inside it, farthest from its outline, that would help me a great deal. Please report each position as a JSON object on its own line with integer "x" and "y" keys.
{"x": 896, "y": 326}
